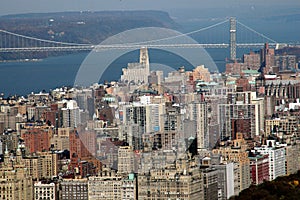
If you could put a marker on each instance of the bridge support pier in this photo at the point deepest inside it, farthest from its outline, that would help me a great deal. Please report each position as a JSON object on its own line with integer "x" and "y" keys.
{"x": 232, "y": 38}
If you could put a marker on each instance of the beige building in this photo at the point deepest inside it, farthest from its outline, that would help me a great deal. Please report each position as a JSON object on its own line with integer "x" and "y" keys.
{"x": 292, "y": 158}
{"x": 182, "y": 180}
{"x": 43, "y": 165}
{"x": 201, "y": 73}
{"x": 237, "y": 154}
{"x": 31, "y": 163}
{"x": 60, "y": 141}
{"x": 47, "y": 164}
{"x": 15, "y": 182}
{"x": 210, "y": 183}
{"x": 111, "y": 186}
{"x": 285, "y": 128}
{"x": 126, "y": 163}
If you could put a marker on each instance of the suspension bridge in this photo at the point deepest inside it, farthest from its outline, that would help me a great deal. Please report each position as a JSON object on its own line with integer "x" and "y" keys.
{"x": 13, "y": 42}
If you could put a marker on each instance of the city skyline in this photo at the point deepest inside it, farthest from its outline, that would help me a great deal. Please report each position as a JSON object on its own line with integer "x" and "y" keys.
{"x": 165, "y": 132}
{"x": 191, "y": 135}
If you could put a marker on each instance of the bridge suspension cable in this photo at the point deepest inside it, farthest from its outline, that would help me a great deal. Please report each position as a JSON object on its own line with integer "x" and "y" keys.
{"x": 260, "y": 34}
{"x": 134, "y": 43}
{"x": 42, "y": 40}
{"x": 179, "y": 35}
{"x": 13, "y": 42}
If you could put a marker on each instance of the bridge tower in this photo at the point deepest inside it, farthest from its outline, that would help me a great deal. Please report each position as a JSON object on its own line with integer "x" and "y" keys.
{"x": 232, "y": 38}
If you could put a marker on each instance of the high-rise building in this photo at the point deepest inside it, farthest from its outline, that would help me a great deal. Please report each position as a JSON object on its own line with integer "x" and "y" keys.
{"x": 198, "y": 113}
{"x": 126, "y": 162}
{"x": 259, "y": 166}
{"x": 237, "y": 154}
{"x": 31, "y": 163}
{"x": 60, "y": 141}
{"x": 243, "y": 113}
{"x": 210, "y": 183}
{"x": 70, "y": 114}
{"x": 16, "y": 184}
{"x": 213, "y": 100}
{"x": 138, "y": 114}
{"x": 286, "y": 62}
{"x": 132, "y": 134}
{"x": 138, "y": 72}
{"x": 37, "y": 138}
{"x": 252, "y": 60}
{"x": 172, "y": 118}
{"x": 277, "y": 159}
{"x": 267, "y": 58}
{"x": 225, "y": 179}
{"x": 292, "y": 156}
{"x": 165, "y": 140}
{"x": 47, "y": 165}
{"x": 182, "y": 180}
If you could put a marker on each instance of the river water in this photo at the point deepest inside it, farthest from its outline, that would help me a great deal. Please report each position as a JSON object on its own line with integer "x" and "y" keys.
{"x": 25, "y": 77}
{"x": 33, "y": 76}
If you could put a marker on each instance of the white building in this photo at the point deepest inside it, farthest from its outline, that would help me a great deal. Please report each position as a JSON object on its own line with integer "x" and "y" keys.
{"x": 70, "y": 114}
{"x": 198, "y": 113}
{"x": 138, "y": 72}
{"x": 149, "y": 117}
{"x": 277, "y": 158}
{"x": 44, "y": 191}
{"x": 225, "y": 180}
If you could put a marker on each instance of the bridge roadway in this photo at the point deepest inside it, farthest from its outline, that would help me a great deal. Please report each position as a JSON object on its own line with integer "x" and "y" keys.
{"x": 130, "y": 46}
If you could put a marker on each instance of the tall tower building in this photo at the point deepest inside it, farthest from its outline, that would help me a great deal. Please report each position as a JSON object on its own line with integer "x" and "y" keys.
{"x": 144, "y": 58}
{"x": 267, "y": 58}
{"x": 138, "y": 72}
{"x": 172, "y": 118}
{"x": 70, "y": 114}
{"x": 198, "y": 113}
{"x": 126, "y": 164}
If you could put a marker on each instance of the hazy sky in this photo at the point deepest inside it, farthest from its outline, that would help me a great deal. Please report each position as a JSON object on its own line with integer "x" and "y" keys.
{"x": 26, "y": 6}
